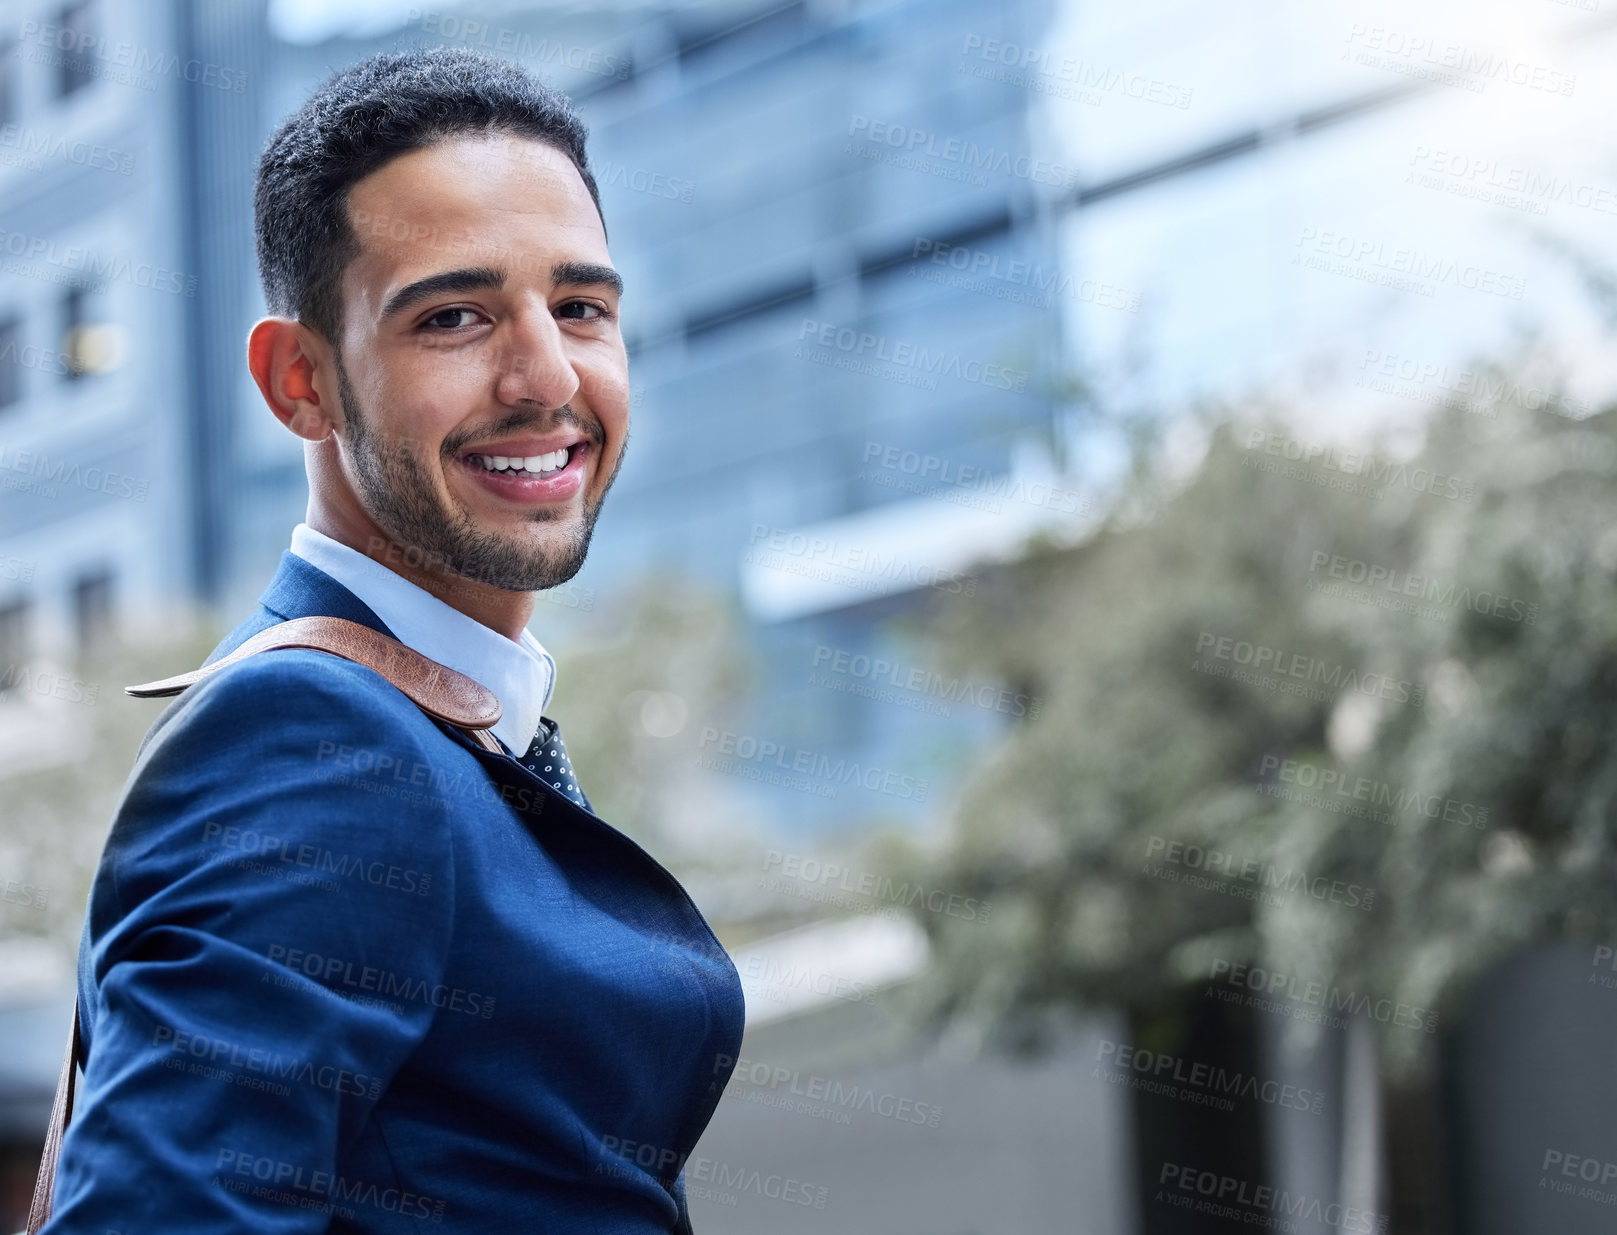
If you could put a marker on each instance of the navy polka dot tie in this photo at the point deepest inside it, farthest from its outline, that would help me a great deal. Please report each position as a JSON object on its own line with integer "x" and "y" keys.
{"x": 547, "y": 759}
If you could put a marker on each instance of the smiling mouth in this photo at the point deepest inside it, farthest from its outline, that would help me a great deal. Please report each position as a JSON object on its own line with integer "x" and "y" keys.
{"x": 545, "y": 477}
{"x": 526, "y": 467}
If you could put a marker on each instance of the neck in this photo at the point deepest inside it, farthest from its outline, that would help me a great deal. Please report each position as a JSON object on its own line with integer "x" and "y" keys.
{"x": 348, "y": 524}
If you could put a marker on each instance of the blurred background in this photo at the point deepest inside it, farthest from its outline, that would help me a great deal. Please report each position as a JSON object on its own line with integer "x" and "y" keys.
{"x": 1109, "y": 609}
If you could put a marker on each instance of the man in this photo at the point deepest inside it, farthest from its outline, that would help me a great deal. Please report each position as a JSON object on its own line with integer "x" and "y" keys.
{"x": 345, "y": 967}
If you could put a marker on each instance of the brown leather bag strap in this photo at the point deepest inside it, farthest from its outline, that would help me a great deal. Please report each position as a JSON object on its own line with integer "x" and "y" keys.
{"x": 61, "y": 1112}
{"x": 436, "y": 689}
{"x": 439, "y": 691}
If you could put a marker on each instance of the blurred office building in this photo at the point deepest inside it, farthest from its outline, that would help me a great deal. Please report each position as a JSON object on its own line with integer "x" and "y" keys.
{"x": 834, "y": 236}
{"x": 107, "y": 430}
{"x": 893, "y": 270}
{"x": 867, "y": 246}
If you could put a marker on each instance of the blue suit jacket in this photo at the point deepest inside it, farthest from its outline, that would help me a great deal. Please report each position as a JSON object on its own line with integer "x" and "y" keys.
{"x": 344, "y": 970}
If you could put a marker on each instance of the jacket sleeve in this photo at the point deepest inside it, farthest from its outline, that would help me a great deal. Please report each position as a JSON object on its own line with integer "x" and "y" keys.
{"x": 262, "y": 935}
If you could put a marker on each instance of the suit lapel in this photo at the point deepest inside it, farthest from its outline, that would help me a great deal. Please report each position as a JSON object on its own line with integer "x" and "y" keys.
{"x": 300, "y": 589}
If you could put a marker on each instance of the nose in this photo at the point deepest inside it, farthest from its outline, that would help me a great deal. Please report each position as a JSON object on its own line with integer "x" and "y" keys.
{"x": 535, "y": 367}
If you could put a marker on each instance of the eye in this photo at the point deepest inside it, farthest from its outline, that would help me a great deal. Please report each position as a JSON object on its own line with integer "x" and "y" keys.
{"x": 437, "y": 319}
{"x": 584, "y": 311}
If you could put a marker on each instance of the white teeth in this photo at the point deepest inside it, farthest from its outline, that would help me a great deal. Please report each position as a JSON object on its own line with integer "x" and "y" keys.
{"x": 533, "y": 465}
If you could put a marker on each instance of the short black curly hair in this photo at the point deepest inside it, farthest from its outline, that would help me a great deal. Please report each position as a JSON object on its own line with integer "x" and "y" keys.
{"x": 365, "y": 115}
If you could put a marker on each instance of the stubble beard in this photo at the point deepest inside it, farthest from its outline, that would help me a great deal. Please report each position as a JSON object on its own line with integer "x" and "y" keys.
{"x": 398, "y": 494}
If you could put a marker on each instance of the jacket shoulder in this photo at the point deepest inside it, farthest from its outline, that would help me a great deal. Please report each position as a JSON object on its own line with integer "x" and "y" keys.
{"x": 292, "y": 688}
{"x": 271, "y": 738}
{"x": 259, "y": 756}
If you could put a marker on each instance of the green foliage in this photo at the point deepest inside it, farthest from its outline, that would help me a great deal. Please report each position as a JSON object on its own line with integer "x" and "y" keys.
{"x": 1508, "y": 671}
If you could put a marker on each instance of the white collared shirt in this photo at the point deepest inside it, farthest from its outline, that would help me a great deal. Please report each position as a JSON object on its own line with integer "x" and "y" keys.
{"x": 522, "y": 674}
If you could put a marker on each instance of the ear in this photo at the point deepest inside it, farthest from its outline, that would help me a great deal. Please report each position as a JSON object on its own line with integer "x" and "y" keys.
{"x": 285, "y": 357}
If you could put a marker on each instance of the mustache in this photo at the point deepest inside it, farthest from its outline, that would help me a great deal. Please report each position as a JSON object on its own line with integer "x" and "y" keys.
{"x": 521, "y": 421}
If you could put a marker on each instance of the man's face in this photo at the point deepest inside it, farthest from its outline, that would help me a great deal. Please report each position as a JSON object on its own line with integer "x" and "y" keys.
{"x": 481, "y": 370}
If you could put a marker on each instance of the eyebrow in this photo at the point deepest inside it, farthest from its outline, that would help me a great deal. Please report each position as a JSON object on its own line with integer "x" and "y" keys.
{"x": 472, "y": 279}
{"x": 586, "y": 274}
{"x": 482, "y": 278}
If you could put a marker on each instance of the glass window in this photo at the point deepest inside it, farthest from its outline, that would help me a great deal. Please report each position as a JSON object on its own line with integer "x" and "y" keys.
{"x": 14, "y": 649}
{"x": 73, "y": 43}
{"x": 75, "y": 327}
{"x": 10, "y": 361}
{"x": 8, "y": 82}
{"x": 89, "y": 343}
{"x": 92, "y": 610}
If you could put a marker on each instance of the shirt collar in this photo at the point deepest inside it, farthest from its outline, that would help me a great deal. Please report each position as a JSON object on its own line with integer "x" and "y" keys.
{"x": 520, "y": 672}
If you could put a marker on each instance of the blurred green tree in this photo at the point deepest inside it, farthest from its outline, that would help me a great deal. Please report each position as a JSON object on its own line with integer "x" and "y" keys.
{"x": 1393, "y": 669}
